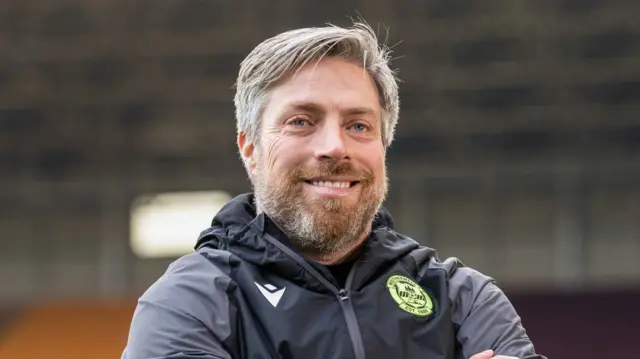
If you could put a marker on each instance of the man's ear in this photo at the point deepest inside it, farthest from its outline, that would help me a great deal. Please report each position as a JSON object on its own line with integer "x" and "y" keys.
{"x": 247, "y": 151}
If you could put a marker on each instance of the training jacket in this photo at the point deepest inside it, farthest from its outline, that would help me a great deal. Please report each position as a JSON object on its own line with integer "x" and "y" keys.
{"x": 245, "y": 293}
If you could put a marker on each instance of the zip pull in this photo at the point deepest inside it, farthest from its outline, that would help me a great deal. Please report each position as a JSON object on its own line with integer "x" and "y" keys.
{"x": 343, "y": 294}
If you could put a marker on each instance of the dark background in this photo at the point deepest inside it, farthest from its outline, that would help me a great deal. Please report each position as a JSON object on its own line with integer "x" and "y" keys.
{"x": 517, "y": 150}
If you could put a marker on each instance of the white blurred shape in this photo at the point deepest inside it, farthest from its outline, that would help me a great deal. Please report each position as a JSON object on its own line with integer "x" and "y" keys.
{"x": 168, "y": 224}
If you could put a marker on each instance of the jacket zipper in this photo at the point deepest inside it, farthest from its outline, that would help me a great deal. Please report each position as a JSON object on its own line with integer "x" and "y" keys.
{"x": 342, "y": 294}
{"x": 351, "y": 319}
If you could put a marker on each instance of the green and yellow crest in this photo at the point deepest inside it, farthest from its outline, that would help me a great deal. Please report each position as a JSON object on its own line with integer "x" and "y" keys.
{"x": 409, "y": 296}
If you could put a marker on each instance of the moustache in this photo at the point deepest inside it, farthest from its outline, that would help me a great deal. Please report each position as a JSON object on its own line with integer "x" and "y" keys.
{"x": 327, "y": 169}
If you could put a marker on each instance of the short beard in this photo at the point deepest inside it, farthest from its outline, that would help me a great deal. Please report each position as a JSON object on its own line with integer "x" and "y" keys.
{"x": 322, "y": 227}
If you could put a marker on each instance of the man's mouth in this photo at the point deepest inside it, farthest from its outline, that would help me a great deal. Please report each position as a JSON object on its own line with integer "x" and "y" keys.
{"x": 332, "y": 184}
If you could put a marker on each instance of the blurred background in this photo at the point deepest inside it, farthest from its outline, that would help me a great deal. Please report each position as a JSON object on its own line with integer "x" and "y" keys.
{"x": 518, "y": 151}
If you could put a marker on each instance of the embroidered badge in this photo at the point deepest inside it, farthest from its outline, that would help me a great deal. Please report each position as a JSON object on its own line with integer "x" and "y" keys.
{"x": 409, "y": 296}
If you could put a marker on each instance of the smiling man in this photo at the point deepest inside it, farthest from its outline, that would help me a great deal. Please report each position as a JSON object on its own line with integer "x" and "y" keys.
{"x": 318, "y": 168}
{"x": 308, "y": 265}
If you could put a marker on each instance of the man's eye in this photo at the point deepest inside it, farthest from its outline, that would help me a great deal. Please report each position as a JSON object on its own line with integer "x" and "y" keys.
{"x": 359, "y": 127}
{"x": 299, "y": 122}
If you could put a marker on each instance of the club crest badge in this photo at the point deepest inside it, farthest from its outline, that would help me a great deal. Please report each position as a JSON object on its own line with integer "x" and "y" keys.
{"x": 409, "y": 296}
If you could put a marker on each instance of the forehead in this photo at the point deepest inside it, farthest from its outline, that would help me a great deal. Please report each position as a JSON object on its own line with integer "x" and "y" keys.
{"x": 330, "y": 83}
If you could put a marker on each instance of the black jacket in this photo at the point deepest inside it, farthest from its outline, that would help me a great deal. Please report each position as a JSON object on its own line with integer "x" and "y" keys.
{"x": 246, "y": 293}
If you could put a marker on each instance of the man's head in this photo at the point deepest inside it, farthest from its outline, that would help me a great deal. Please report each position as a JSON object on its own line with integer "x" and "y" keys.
{"x": 316, "y": 109}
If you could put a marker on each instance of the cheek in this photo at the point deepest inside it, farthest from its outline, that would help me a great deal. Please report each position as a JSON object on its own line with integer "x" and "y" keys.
{"x": 277, "y": 154}
{"x": 381, "y": 171}
{"x": 375, "y": 160}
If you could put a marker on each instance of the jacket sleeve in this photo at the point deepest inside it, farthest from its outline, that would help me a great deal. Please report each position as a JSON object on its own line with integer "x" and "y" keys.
{"x": 184, "y": 315}
{"x": 484, "y": 318}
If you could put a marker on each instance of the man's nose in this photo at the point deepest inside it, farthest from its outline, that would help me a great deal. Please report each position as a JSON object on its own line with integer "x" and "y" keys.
{"x": 331, "y": 143}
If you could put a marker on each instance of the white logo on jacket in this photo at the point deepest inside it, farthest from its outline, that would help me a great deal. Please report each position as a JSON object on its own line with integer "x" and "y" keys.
{"x": 272, "y": 293}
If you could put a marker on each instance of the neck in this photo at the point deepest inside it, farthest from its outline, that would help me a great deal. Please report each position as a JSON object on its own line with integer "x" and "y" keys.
{"x": 341, "y": 255}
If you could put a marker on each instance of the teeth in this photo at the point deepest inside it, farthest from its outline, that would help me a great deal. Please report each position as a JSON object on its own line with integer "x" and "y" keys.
{"x": 331, "y": 184}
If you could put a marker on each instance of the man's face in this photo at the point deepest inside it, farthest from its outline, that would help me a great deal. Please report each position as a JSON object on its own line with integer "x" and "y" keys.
{"x": 319, "y": 168}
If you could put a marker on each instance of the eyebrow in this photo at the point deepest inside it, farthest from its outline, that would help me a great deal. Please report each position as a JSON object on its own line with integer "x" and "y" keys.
{"x": 317, "y": 109}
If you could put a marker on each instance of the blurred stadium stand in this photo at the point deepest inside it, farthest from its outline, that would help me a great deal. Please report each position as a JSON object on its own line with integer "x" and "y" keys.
{"x": 70, "y": 330}
{"x": 518, "y": 150}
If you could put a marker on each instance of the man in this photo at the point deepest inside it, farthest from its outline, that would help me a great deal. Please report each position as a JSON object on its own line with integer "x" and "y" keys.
{"x": 309, "y": 266}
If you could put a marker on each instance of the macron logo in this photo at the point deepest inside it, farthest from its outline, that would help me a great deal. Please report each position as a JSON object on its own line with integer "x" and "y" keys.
{"x": 272, "y": 293}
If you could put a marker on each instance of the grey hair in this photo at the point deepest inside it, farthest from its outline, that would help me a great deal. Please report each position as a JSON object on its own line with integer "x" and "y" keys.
{"x": 287, "y": 52}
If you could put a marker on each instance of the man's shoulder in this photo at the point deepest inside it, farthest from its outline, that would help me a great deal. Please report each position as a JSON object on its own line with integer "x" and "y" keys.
{"x": 482, "y": 315}
{"x": 462, "y": 280}
{"x": 466, "y": 286}
{"x": 187, "y": 310}
{"x": 210, "y": 262}
{"x": 196, "y": 274}
{"x": 465, "y": 282}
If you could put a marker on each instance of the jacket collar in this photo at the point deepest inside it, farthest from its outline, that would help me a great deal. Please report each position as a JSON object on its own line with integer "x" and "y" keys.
{"x": 237, "y": 228}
